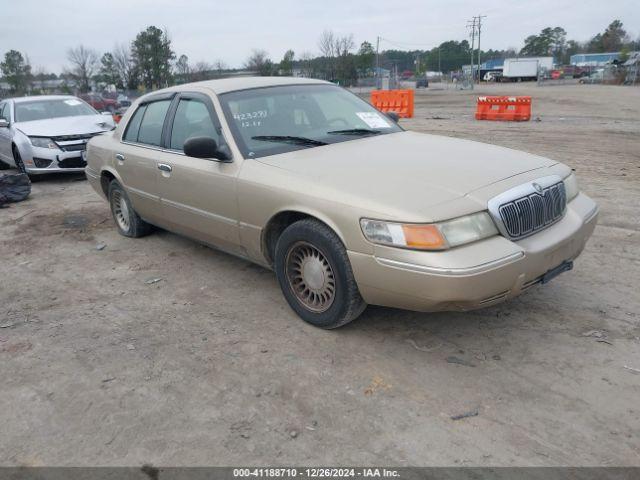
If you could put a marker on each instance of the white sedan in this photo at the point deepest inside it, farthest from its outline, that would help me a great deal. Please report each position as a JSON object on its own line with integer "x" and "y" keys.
{"x": 46, "y": 134}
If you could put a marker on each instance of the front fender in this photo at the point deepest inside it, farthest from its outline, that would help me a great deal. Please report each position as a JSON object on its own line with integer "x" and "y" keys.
{"x": 312, "y": 212}
{"x": 23, "y": 144}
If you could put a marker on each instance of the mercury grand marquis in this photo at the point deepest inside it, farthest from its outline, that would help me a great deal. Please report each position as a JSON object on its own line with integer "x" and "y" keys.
{"x": 348, "y": 208}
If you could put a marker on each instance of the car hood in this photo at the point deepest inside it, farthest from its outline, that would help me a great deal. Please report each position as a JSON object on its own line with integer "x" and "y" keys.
{"x": 56, "y": 127}
{"x": 406, "y": 170}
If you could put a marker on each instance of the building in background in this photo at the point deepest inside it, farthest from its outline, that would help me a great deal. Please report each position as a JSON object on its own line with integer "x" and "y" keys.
{"x": 593, "y": 59}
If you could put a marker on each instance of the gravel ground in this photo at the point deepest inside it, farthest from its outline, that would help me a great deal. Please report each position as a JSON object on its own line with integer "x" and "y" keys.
{"x": 162, "y": 351}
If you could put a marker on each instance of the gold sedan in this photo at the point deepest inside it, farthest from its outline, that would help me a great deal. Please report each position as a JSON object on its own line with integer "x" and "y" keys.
{"x": 303, "y": 177}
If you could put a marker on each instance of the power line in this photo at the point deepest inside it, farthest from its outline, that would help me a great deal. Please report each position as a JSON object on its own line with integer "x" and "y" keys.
{"x": 405, "y": 44}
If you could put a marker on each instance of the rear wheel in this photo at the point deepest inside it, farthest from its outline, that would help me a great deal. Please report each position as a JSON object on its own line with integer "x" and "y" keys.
{"x": 315, "y": 275}
{"x": 127, "y": 220}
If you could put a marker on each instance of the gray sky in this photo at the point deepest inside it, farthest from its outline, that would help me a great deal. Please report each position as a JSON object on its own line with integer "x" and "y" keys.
{"x": 228, "y": 30}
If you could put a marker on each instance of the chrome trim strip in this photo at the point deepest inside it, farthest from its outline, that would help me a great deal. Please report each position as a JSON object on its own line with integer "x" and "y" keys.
{"x": 142, "y": 145}
{"x": 451, "y": 271}
{"x": 197, "y": 211}
{"x": 67, "y": 143}
{"x": 143, "y": 194}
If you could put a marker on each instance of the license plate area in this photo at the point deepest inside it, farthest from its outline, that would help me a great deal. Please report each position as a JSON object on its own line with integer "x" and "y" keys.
{"x": 554, "y": 272}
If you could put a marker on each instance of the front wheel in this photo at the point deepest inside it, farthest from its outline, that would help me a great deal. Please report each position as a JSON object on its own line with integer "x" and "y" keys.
{"x": 17, "y": 158}
{"x": 315, "y": 275}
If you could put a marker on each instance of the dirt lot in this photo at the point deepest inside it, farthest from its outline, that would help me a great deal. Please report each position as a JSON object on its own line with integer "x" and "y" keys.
{"x": 208, "y": 365}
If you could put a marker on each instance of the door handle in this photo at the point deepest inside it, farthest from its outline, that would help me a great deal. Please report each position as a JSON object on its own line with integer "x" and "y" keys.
{"x": 164, "y": 167}
{"x": 120, "y": 157}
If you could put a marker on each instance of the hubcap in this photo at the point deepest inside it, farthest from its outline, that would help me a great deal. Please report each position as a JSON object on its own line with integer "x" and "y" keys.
{"x": 310, "y": 277}
{"x": 120, "y": 210}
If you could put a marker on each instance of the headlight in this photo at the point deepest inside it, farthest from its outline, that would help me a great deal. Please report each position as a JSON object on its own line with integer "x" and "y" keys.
{"x": 571, "y": 186}
{"x": 43, "y": 142}
{"x": 432, "y": 236}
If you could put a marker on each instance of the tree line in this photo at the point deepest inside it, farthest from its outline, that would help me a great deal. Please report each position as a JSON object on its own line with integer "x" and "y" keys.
{"x": 149, "y": 61}
{"x": 552, "y": 41}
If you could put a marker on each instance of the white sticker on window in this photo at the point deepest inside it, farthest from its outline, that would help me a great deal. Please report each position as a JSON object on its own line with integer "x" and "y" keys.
{"x": 373, "y": 119}
{"x": 250, "y": 119}
{"x": 73, "y": 102}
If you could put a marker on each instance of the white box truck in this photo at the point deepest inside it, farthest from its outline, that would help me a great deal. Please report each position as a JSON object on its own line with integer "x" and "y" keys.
{"x": 518, "y": 69}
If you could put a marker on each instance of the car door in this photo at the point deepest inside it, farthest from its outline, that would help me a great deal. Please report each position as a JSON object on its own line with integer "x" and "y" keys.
{"x": 5, "y": 134}
{"x": 198, "y": 196}
{"x": 138, "y": 154}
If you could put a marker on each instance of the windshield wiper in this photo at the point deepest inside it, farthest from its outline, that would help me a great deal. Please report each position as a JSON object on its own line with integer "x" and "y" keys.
{"x": 308, "y": 142}
{"x": 354, "y": 131}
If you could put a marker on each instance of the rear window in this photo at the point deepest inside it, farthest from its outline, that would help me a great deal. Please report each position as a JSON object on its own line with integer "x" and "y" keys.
{"x": 150, "y": 132}
{"x": 146, "y": 124}
{"x": 131, "y": 135}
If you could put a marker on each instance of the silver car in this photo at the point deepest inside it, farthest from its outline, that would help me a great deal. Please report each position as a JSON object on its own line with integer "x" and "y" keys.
{"x": 46, "y": 134}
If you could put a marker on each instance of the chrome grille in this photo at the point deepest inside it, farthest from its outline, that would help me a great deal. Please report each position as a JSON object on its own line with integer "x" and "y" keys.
{"x": 533, "y": 212}
{"x": 74, "y": 143}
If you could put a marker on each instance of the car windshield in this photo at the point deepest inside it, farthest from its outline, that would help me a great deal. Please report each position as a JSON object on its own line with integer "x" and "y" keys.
{"x": 45, "y": 109}
{"x": 272, "y": 120}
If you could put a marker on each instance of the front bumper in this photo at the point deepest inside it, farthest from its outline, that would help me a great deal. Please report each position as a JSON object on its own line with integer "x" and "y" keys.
{"x": 476, "y": 275}
{"x": 58, "y": 161}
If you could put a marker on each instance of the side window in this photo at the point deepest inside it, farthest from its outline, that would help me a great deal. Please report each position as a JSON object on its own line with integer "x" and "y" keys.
{"x": 131, "y": 134}
{"x": 150, "y": 131}
{"x": 5, "y": 111}
{"x": 192, "y": 119}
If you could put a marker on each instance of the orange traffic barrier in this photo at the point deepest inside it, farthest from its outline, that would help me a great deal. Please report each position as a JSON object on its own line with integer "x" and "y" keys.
{"x": 399, "y": 101}
{"x": 515, "y": 109}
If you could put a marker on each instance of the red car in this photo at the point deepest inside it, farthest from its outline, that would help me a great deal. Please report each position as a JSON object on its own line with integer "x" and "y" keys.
{"x": 100, "y": 103}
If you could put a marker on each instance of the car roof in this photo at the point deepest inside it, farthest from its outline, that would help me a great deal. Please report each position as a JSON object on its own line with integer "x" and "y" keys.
{"x": 231, "y": 84}
{"x": 40, "y": 97}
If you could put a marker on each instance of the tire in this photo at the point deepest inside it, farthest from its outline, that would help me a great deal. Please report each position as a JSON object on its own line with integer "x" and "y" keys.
{"x": 315, "y": 275}
{"x": 127, "y": 220}
{"x": 18, "y": 160}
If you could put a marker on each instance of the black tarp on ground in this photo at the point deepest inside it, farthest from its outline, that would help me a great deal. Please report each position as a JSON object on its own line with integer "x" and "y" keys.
{"x": 14, "y": 188}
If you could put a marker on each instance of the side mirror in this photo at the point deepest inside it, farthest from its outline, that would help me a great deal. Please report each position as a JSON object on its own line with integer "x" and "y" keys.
{"x": 205, "y": 147}
{"x": 3, "y": 123}
{"x": 393, "y": 116}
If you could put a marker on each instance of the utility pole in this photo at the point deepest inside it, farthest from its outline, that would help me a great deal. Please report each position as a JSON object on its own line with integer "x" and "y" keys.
{"x": 378, "y": 83}
{"x": 480, "y": 17}
{"x": 439, "y": 67}
{"x": 472, "y": 23}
